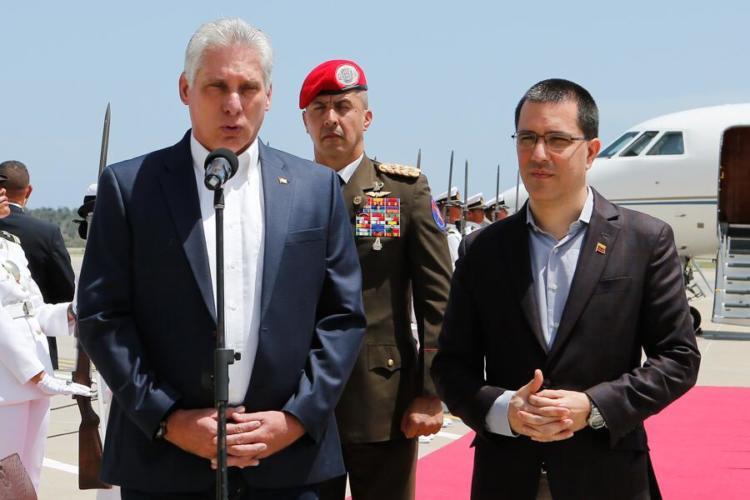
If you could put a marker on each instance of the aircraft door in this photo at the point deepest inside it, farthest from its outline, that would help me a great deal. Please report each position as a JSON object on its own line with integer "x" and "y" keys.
{"x": 734, "y": 178}
{"x": 732, "y": 292}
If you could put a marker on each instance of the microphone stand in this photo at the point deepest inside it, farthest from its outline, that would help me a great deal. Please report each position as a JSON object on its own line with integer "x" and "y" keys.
{"x": 223, "y": 357}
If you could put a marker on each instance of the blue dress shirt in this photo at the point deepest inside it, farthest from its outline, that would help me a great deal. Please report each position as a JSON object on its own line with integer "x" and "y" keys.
{"x": 553, "y": 264}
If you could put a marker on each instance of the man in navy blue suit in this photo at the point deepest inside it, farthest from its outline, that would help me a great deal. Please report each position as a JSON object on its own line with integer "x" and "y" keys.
{"x": 147, "y": 313}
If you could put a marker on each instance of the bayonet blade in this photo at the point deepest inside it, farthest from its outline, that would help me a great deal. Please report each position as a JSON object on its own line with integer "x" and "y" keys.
{"x": 450, "y": 181}
{"x": 105, "y": 142}
{"x": 465, "y": 210}
{"x": 496, "y": 208}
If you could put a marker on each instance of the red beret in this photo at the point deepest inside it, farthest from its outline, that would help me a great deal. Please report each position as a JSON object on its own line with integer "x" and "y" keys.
{"x": 332, "y": 77}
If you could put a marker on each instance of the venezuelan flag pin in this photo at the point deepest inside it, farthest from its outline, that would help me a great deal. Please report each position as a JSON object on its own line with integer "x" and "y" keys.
{"x": 601, "y": 248}
{"x": 283, "y": 180}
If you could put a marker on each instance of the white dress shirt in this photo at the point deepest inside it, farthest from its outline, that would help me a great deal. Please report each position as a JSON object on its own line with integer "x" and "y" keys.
{"x": 347, "y": 172}
{"x": 243, "y": 257}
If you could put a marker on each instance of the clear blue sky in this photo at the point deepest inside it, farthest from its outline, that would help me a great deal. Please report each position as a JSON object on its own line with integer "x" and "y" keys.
{"x": 442, "y": 76}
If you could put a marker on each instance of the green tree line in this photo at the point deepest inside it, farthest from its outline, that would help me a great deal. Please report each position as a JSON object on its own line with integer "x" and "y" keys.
{"x": 62, "y": 217}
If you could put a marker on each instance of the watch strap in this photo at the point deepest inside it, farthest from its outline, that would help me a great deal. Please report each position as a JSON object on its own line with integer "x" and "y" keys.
{"x": 596, "y": 419}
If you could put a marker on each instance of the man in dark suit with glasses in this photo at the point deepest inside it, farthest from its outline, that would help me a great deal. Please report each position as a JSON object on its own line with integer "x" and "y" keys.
{"x": 549, "y": 312}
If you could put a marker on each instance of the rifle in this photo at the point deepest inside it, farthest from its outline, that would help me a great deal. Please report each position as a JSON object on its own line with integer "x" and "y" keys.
{"x": 464, "y": 206}
{"x": 496, "y": 208}
{"x": 89, "y": 440}
{"x": 450, "y": 181}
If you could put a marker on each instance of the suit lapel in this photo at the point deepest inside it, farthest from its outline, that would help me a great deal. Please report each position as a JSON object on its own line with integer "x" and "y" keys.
{"x": 278, "y": 187}
{"x": 519, "y": 264}
{"x": 181, "y": 195}
{"x": 362, "y": 180}
{"x": 603, "y": 229}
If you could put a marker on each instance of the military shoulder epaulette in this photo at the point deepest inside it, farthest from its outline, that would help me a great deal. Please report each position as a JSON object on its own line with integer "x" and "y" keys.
{"x": 10, "y": 237}
{"x": 396, "y": 169}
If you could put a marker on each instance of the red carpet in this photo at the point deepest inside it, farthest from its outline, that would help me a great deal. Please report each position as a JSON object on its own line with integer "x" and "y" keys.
{"x": 700, "y": 447}
{"x": 445, "y": 474}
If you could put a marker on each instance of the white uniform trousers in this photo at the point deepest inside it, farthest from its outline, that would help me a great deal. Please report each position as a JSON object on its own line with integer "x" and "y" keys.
{"x": 23, "y": 430}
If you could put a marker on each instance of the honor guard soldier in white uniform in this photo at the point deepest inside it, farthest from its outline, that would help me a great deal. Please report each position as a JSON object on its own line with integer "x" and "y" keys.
{"x": 26, "y": 377}
{"x": 452, "y": 214}
{"x": 475, "y": 218}
{"x": 495, "y": 211}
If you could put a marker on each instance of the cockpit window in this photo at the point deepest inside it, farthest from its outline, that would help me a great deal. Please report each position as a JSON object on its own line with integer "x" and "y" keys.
{"x": 616, "y": 146}
{"x": 669, "y": 144}
{"x": 639, "y": 144}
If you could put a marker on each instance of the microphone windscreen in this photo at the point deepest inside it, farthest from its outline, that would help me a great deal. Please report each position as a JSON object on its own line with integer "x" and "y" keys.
{"x": 228, "y": 155}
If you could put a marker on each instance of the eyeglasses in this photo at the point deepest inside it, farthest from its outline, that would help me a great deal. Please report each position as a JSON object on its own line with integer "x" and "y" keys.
{"x": 557, "y": 142}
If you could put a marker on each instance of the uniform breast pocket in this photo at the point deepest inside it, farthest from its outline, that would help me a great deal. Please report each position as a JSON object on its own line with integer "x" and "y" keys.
{"x": 383, "y": 359}
{"x": 306, "y": 236}
{"x": 611, "y": 285}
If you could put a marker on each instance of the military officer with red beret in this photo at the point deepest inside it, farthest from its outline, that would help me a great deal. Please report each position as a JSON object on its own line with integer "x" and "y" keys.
{"x": 390, "y": 399}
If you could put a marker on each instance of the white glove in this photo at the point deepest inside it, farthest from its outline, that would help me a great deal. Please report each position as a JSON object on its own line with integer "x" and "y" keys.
{"x": 53, "y": 385}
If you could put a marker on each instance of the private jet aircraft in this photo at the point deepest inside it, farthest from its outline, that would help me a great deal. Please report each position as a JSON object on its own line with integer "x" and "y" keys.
{"x": 692, "y": 170}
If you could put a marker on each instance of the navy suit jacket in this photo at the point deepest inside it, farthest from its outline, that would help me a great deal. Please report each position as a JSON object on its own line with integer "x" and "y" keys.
{"x": 147, "y": 315}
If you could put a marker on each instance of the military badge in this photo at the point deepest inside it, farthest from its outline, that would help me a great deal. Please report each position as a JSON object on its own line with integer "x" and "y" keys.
{"x": 379, "y": 217}
{"x": 436, "y": 215}
{"x": 347, "y": 75}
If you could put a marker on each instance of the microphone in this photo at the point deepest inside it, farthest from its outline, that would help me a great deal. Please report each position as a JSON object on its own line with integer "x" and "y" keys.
{"x": 221, "y": 164}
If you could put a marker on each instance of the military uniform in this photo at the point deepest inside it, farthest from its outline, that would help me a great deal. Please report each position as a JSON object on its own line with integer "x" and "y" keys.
{"x": 452, "y": 232}
{"x": 474, "y": 205}
{"x": 403, "y": 251}
{"x": 454, "y": 240}
{"x": 406, "y": 267}
{"x": 24, "y": 321}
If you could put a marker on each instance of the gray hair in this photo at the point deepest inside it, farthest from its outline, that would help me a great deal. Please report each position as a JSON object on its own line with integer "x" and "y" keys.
{"x": 224, "y": 33}
{"x": 365, "y": 99}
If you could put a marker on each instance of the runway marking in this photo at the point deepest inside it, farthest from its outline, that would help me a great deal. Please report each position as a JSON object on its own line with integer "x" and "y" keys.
{"x": 54, "y": 464}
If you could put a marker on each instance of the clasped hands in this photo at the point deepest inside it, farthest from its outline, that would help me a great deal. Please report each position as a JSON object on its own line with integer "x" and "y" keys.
{"x": 548, "y": 415}
{"x": 251, "y": 437}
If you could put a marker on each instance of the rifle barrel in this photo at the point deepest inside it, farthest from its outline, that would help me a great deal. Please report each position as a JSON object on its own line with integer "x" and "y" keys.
{"x": 496, "y": 208}
{"x": 466, "y": 197}
{"x": 105, "y": 140}
{"x": 448, "y": 196}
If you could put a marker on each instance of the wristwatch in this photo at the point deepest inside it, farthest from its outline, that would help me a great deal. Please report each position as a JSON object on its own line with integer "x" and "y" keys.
{"x": 596, "y": 420}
